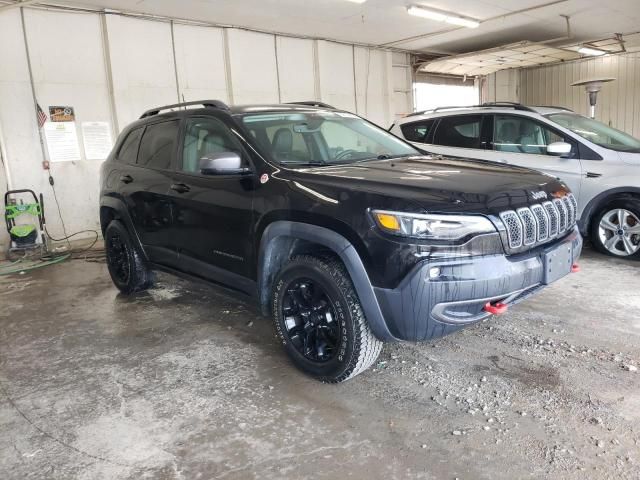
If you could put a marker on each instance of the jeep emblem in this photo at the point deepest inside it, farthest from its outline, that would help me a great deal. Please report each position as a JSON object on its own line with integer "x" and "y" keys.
{"x": 539, "y": 195}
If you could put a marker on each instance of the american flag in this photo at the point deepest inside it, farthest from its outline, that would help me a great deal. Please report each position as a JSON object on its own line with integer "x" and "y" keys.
{"x": 42, "y": 117}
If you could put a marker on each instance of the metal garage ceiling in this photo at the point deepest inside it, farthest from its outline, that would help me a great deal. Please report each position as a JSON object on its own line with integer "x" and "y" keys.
{"x": 517, "y": 55}
{"x": 386, "y": 22}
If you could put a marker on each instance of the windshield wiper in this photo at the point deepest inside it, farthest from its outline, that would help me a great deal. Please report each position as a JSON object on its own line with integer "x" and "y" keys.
{"x": 304, "y": 164}
{"x": 386, "y": 156}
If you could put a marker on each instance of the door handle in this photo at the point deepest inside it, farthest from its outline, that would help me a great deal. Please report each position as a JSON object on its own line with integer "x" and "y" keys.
{"x": 593, "y": 175}
{"x": 180, "y": 187}
{"x": 126, "y": 178}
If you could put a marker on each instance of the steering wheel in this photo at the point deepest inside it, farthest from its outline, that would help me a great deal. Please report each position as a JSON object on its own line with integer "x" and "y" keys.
{"x": 345, "y": 153}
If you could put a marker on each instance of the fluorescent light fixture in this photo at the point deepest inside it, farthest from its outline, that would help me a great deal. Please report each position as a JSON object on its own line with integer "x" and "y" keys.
{"x": 594, "y": 52}
{"x": 356, "y": 1}
{"x": 442, "y": 16}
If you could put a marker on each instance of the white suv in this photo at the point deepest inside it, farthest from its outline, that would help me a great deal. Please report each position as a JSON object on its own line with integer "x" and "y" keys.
{"x": 600, "y": 164}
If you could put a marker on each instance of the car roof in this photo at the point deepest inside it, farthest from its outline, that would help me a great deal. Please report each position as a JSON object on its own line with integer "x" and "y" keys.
{"x": 526, "y": 110}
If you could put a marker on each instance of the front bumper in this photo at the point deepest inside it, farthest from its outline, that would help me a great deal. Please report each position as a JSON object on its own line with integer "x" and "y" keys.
{"x": 426, "y": 305}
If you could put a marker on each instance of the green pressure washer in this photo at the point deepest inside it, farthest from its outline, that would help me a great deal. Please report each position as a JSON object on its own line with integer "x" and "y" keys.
{"x": 25, "y": 236}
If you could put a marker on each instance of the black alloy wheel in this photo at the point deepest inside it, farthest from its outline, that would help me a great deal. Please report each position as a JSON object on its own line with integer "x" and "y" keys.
{"x": 319, "y": 320}
{"x": 310, "y": 320}
{"x": 127, "y": 267}
{"x": 119, "y": 259}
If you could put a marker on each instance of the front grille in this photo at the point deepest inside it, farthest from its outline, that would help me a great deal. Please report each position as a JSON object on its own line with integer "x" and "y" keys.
{"x": 539, "y": 223}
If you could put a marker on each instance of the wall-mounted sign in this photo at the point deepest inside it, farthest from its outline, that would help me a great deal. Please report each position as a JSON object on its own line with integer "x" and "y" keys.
{"x": 97, "y": 140}
{"x": 62, "y": 141}
{"x": 61, "y": 114}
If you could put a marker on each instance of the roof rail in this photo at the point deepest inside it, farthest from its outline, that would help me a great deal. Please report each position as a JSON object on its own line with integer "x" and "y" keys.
{"x": 205, "y": 103}
{"x": 556, "y": 107}
{"x": 313, "y": 103}
{"x": 440, "y": 108}
{"x": 514, "y": 105}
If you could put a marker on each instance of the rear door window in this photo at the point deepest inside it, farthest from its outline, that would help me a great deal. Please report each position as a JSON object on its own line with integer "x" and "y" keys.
{"x": 129, "y": 150}
{"x": 417, "y": 131}
{"x": 462, "y": 131}
{"x": 158, "y": 145}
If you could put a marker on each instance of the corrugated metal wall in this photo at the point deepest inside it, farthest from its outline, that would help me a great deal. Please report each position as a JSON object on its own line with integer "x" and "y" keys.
{"x": 618, "y": 102}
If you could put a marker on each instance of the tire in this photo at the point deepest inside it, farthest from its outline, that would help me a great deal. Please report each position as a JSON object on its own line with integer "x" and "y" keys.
{"x": 126, "y": 266}
{"x": 338, "y": 343}
{"x": 605, "y": 226}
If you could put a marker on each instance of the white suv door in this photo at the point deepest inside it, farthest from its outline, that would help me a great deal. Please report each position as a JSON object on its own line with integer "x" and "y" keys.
{"x": 523, "y": 141}
{"x": 507, "y": 138}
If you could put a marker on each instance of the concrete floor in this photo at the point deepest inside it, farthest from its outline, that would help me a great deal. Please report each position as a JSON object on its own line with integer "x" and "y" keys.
{"x": 185, "y": 382}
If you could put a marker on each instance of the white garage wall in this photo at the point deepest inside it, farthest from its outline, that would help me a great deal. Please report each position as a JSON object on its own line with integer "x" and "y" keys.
{"x": 72, "y": 75}
{"x": 112, "y": 68}
{"x": 337, "y": 83}
{"x": 402, "y": 82}
{"x": 502, "y": 86}
{"x": 200, "y": 76}
{"x": 373, "y": 85}
{"x": 252, "y": 59}
{"x": 17, "y": 112}
{"x": 296, "y": 69}
{"x": 142, "y": 66}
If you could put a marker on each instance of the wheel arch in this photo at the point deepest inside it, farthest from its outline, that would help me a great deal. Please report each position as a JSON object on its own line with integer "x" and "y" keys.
{"x": 112, "y": 208}
{"x": 600, "y": 200}
{"x": 283, "y": 238}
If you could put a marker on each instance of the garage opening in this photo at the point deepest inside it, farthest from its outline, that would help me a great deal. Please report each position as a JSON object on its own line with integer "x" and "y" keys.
{"x": 432, "y": 91}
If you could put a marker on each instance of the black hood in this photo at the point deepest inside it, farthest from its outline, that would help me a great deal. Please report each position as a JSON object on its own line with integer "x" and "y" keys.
{"x": 438, "y": 183}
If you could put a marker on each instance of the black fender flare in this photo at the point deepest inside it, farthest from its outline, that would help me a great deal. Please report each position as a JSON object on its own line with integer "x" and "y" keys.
{"x": 600, "y": 200}
{"x": 267, "y": 258}
{"x": 122, "y": 214}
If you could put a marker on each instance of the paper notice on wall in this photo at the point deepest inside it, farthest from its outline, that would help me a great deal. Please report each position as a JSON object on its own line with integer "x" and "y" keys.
{"x": 96, "y": 137}
{"x": 62, "y": 141}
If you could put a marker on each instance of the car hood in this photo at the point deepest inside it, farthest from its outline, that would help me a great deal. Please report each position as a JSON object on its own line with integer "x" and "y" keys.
{"x": 437, "y": 183}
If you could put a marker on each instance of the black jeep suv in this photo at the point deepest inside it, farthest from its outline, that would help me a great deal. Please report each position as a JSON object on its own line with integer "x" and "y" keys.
{"x": 347, "y": 235}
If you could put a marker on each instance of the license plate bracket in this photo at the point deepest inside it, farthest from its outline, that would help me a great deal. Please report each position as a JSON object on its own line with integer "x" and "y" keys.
{"x": 558, "y": 263}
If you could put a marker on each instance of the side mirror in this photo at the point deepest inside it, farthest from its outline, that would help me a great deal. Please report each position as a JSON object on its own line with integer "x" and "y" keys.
{"x": 223, "y": 163}
{"x": 559, "y": 149}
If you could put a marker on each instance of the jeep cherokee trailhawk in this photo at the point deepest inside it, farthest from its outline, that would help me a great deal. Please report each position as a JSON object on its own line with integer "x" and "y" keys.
{"x": 345, "y": 234}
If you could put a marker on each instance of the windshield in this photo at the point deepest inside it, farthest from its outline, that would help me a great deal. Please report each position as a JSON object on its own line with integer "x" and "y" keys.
{"x": 597, "y": 132}
{"x": 322, "y": 137}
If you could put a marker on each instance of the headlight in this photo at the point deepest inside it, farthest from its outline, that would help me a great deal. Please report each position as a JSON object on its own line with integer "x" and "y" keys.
{"x": 432, "y": 226}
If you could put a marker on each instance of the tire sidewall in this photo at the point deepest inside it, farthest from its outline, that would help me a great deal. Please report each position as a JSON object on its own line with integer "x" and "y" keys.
{"x": 628, "y": 204}
{"x": 339, "y": 364}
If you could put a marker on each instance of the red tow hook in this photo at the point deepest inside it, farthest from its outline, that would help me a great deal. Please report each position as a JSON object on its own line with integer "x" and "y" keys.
{"x": 496, "y": 309}
{"x": 575, "y": 268}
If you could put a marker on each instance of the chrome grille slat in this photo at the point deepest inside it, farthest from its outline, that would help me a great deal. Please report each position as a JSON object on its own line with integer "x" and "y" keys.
{"x": 529, "y": 226}
{"x": 542, "y": 221}
{"x": 538, "y": 223}
{"x": 574, "y": 203}
{"x": 562, "y": 210}
{"x": 514, "y": 228}
{"x": 570, "y": 213}
{"x": 554, "y": 218}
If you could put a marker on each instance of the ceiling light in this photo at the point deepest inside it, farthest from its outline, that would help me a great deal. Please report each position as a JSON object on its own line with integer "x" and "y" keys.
{"x": 594, "y": 52}
{"x": 356, "y": 1}
{"x": 442, "y": 16}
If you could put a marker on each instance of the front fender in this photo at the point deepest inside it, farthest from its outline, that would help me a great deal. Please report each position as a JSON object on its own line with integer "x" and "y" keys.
{"x": 270, "y": 257}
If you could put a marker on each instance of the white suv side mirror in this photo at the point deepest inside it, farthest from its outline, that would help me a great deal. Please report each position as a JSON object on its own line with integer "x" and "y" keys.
{"x": 560, "y": 149}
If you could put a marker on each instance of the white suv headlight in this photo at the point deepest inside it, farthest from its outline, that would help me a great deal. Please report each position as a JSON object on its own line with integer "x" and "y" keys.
{"x": 432, "y": 226}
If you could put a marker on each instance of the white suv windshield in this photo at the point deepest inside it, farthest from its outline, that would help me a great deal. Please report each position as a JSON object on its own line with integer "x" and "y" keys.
{"x": 597, "y": 132}
{"x": 322, "y": 137}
